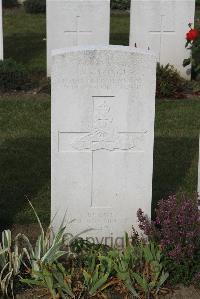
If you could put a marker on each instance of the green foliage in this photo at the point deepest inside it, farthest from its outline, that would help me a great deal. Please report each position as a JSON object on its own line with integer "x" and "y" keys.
{"x": 197, "y": 2}
{"x": 124, "y": 263}
{"x": 169, "y": 83}
{"x": 41, "y": 260}
{"x": 194, "y": 60}
{"x": 47, "y": 248}
{"x": 141, "y": 269}
{"x": 120, "y": 4}
{"x": 35, "y": 6}
{"x": 62, "y": 283}
{"x": 9, "y": 3}
{"x": 54, "y": 278}
{"x": 184, "y": 272}
{"x": 97, "y": 274}
{"x": 10, "y": 263}
{"x": 13, "y": 75}
{"x": 137, "y": 270}
{"x": 152, "y": 277}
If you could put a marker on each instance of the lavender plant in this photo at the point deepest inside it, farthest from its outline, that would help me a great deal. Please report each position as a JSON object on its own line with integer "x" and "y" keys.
{"x": 176, "y": 229}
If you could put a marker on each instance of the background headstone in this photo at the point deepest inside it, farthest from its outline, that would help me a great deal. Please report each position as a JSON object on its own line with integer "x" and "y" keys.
{"x": 161, "y": 25}
{"x": 1, "y": 31}
{"x": 76, "y": 23}
{"x": 103, "y": 102}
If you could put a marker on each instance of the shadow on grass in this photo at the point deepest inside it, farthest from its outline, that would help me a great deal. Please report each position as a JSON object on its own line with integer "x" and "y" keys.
{"x": 119, "y": 39}
{"x": 26, "y": 48}
{"x": 25, "y": 169}
{"x": 173, "y": 162}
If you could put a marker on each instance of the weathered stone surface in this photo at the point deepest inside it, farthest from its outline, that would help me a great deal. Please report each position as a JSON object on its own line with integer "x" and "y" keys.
{"x": 76, "y": 23}
{"x": 161, "y": 25}
{"x": 103, "y": 102}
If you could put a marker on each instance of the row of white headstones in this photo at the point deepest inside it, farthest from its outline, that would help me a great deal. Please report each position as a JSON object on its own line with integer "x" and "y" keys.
{"x": 158, "y": 25}
{"x": 103, "y": 109}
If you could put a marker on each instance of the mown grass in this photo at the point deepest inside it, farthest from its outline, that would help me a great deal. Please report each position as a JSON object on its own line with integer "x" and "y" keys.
{"x": 25, "y": 39}
{"x": 24, "y": 157}
{"x": 25, "y": 129}
{"x": 177, "y": 128}
{"x": 119, "y": 27}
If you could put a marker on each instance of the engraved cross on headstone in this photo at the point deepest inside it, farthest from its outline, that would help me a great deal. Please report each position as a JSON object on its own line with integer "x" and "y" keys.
{"x": 161, "y": 32}
{"x": 78, "y": 31}
{"x": 104, "y": 136}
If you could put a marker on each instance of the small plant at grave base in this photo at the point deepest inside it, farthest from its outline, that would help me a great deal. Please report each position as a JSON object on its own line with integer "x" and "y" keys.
{"x": 53, "y": 277}
{"x": 124, "y": 265}
{"x": 153, "y": 276}
{"x": 176, "y": 229}
{"x": 45, "y": 271}
{"x": 47, "y": 249}
{"x": 193, "y": 44}
{"x": 137, "y": 270}
{"x": 19, "y": 258}
{"x": 84, "y": 251}
{"x": 141, "y": 270}
{"x": 97, "y": 275}
{"x": 10, "y": 263}
{"x": 169, "y": 83}
{"x": 86, "y": 282}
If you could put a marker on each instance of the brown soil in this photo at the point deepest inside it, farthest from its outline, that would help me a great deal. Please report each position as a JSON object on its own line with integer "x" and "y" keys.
{"x": 179, "y": 293}
{"x": 34, "y": 294}
{"x": 183, "y": 293}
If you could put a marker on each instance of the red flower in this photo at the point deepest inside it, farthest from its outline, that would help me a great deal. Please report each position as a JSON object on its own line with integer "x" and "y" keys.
{"x": 192, "y": 35}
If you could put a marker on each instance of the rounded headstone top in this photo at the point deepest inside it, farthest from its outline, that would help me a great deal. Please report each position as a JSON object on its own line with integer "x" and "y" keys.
{"x": 111, "y": 48}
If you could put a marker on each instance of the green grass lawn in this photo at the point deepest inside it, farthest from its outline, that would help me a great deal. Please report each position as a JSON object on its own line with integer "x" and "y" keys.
{"x": 119, "y": 27}
{"x": 24, "y": 39}
{"x": 25, "y": 129}
{"x": 24, "y": 157}
{"x": 177, "y": 130}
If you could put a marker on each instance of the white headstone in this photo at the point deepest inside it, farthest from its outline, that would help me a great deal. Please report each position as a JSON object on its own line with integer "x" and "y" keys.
{"x": 103, "y": 102}
{"x": 1, "y": 31}
{"x": 76, "y": 23}
{"x": 161, "y": 25}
